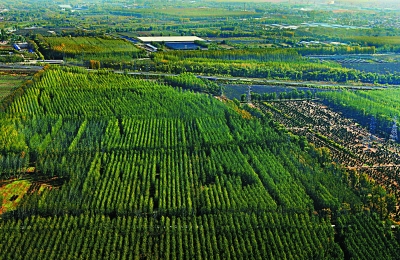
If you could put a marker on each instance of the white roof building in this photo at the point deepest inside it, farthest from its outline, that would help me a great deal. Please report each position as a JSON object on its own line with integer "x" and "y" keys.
{"x": 170, "y": 39}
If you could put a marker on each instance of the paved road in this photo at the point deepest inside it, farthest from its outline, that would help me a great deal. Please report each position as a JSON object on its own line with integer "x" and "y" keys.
{"x": 231, "y": 79}
{"x": 19, "y": 67}
{"x": 260, "y": 81}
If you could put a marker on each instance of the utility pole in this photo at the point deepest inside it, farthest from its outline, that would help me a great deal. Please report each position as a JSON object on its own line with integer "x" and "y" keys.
{"x": 249, "y": 94}
{"x": 393, "y": 134}
{"x": 372, "y": 126}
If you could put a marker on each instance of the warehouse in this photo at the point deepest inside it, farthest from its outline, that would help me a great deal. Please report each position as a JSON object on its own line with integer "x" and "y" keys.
{"x": 174, "y": 42}
{"x": 191, "y": 39}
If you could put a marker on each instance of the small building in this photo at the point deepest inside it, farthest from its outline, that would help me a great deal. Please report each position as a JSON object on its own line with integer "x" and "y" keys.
{"x": 65, "y": 6}
{"x": 21, "y": 46}
{"x": 150, "y": 47}
{"x": 16, "y": 47}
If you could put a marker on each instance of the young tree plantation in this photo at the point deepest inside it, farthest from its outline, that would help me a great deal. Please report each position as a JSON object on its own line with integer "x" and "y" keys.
{"x": 273, "y": 135}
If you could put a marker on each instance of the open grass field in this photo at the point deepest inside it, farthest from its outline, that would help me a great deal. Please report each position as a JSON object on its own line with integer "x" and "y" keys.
{"x": 91, "y": 48}
{"x": 12, "y": 193}
{"x": 378, "y": 41}
{"x": 8, "y": 82}
{"x": 78, "y": 45}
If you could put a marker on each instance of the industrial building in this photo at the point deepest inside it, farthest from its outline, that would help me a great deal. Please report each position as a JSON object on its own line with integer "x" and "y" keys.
{"x": 191, "y": 39}
{"x": 172, "y": 42}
